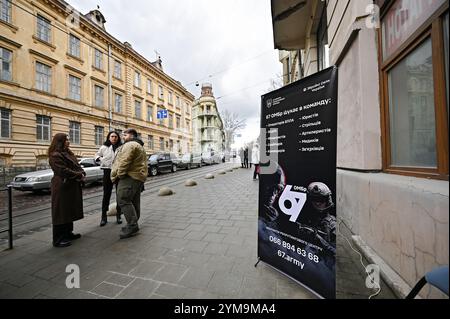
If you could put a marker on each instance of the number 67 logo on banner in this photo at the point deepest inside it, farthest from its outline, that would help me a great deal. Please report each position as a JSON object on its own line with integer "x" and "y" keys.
{"x": 297, "y": 201}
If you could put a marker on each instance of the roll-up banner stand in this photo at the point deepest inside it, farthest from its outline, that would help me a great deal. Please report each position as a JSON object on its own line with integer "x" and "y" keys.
{"x": 297, "y": 191}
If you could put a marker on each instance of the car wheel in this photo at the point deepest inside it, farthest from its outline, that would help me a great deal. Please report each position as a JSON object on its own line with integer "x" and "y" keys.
{"x": 174, "y": 168}
{"x": 153, "y": 171}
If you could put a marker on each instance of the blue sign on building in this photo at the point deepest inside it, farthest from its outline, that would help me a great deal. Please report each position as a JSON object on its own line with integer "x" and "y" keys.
{"x": 162, "y": 114}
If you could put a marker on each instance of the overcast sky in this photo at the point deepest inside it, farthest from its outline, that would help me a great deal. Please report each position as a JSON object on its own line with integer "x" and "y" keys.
{"x": 197, "y": 40}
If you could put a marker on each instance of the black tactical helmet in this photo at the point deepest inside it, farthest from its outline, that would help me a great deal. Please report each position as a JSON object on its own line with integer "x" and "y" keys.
{"x": 320, "y": 196}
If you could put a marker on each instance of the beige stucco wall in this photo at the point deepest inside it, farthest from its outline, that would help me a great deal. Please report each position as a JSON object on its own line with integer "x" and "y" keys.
{"x": 404, "y": 219}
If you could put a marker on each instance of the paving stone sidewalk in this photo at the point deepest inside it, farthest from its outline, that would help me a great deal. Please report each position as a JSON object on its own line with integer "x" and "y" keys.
{"x": 199, "y": 243}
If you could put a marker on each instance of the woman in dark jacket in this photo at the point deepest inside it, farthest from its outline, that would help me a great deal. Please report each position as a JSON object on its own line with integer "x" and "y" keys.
{"x": 67, "y": 197}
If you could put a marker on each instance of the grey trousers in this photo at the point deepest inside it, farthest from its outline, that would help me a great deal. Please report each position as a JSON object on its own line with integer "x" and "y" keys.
{"x": 129, "y": 199}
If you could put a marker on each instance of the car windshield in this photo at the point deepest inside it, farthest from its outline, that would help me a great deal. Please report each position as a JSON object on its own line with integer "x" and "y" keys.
{"x": 186, "y": 156}
{"x": 153, "y": 157}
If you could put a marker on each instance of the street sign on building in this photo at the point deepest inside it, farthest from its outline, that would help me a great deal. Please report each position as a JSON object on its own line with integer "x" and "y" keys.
{"x": 162, "y": 114}
{"x": 297, "y": 192}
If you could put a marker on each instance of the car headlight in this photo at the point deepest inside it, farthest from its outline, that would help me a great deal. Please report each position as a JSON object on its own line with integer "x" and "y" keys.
{"x": 33, "y": 179}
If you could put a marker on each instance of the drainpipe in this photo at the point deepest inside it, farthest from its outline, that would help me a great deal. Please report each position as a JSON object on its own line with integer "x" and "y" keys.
{"x": 109, "y": 88}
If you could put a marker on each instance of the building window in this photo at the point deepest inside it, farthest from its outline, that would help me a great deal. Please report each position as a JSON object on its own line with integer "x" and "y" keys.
{"x": 137, "y": 79}
{"x": 178, "y": 122}
{"x": 74, "y": 132}
{"x": 149, "y": 86}
{"x": 5, "y": 123}
{"x": 322, "y": 43}
{"x": 415, "y": 124}
{"x": 98, "y": 59}
{"x": 149, "y": 113}
{"x": 43, "y": 77}
{"x": 5, "y": 14}
{"x": 161, "y": 143}
{"x": 99, "y": 135}
{"x": 186, "y": 107}
{"x": 161, "y": 120}
{"x": 188, "y": 125}
{"x": 138, "y": 109}
{"x": 161, "y": 92}
{"x": 43, "y": 29}
{"x": 118, "y": 103}
{"x": 117, "y": 69}
{"x": 170, "y": 98}
{"x": 171, "y": 145}
{"x": 98, "y": 96}
{"x": 170, "y": 120}
{"x": 43, "y": 128}
{"x": 150, "y": 142}
{"x": 74, "y": 46}
{"x": 5, "y": 64}
{"x": 74, "y": 88}
{"x": 178, "y": 103}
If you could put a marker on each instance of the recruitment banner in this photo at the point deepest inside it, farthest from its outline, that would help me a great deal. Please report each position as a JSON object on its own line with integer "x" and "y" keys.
{"x": 297, "y": 191}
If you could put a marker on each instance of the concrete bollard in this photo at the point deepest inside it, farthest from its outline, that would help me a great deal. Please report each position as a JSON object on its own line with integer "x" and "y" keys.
{"x": 165, "y": 191}
{"x": 222, "y": 172}
{"x": 209, "y": 176}
{"x": 230, "y": 170}
{"x": 190, "y": 183}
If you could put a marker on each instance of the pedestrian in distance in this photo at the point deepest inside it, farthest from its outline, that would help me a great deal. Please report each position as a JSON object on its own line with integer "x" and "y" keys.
{"x": 246, "y": 157}
{"x": 256, "y": 160}
{"x": 105, "y": 156}
{"x": 67, "y": 196}
{"x": 129, "y": 172}
{"x": 250, "y": 156}
{"x": 241, "y": 156}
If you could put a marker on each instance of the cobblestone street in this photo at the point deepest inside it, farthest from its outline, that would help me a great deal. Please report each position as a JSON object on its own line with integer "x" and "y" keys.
{"x": 199, "y": 243}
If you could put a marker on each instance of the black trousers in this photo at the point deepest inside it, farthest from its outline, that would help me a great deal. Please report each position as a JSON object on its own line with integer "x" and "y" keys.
{"x": 61, "y": 232}
{"x": 107, "y": 191}
{"x": 246, "y": 162}
{"x": 255, "y": 173}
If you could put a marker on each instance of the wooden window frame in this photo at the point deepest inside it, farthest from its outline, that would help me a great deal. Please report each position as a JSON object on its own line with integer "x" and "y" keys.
{"x": 433, "y": 29}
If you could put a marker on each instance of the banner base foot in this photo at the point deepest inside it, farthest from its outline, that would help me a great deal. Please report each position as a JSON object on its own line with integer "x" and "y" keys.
{"x": 259, "y": 259}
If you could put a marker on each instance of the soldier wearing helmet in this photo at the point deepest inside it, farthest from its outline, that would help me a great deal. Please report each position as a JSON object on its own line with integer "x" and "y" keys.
{"x": 319, "y": 222}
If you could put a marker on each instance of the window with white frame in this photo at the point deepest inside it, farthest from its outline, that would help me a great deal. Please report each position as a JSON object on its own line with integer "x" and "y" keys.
{"x": 178, "y": 122}
{"x": 137, "y": 79}
{"x": 117, "y": 69}
{"x": 170, "y": 120}
{"x": 43, "y": 77}
{"x": 5, "y": 10}
{"x": 43, "y": 128}
{"x": 161, "y": 92}
{"x": 5, "y": 64}
{"x": 170, "y": 98}
{"x": 161, "y": 144}
{"x": 149, "y": 113}
{"x": 118, "y": 103}
{"x": 5, "y": 123}
{"x": 74, "y": 132}
{"x": 44, "y": 31}
{"x": 98, "y": 59}
{"x": 149, "y": 86}
{"x": 138, "y": 109}
{"x": 99, "y": 96}
{"x": 74, "y": 88}
{"x": 178, "y": 103}
{"x": 74, "y": 46}
{"x": 99, "y": 135}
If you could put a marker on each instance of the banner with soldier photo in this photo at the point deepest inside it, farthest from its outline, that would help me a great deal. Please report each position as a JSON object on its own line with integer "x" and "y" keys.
{"x": 297, "y": 191}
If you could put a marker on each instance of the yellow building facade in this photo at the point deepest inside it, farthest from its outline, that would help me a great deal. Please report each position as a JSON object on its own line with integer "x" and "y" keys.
{"x": 62, "y": 72}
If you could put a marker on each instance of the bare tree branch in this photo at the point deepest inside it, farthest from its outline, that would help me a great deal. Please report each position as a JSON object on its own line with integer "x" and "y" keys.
{"x": 231, "y": 125}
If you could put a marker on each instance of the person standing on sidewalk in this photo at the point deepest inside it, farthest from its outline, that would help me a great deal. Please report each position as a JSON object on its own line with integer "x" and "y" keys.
{"x": 255, "y": 160}
{"x": 246, "y": 157}
{"x": 129, "y": 170}
{"x": 67, "y": 196}
{"x": 106, "y": 155}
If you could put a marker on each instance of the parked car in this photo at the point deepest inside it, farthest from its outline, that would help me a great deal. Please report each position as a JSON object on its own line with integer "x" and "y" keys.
{"x": 210, "y": 158}
{"x": 38, "y": 181}
{"x": 161, "y": 162}
{"x": 190, "y": 160}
